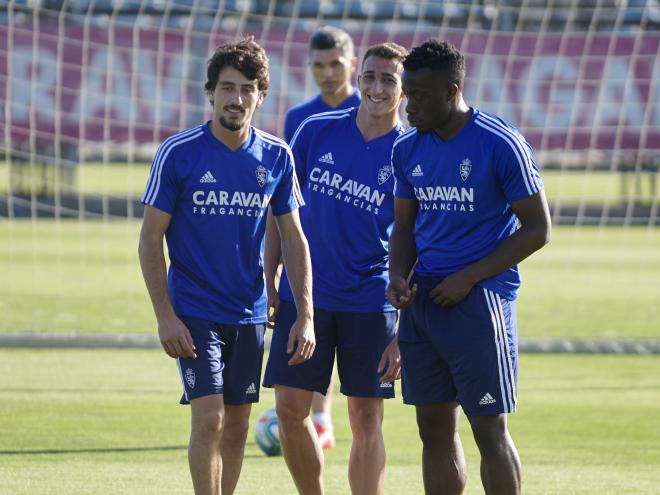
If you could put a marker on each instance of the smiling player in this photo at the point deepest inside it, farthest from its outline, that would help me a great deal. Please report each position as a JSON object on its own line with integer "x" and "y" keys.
{"x": 343, "y": 165}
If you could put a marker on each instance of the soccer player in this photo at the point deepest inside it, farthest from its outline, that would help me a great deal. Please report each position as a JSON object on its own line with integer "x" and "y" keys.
{"x": 333, "y": 63}
{"x": 343, "y": 165}
{"x": 208, "y": 193}
{"x": 469, "y": 206}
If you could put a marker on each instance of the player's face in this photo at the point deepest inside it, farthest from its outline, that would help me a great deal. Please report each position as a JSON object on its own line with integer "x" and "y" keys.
{"x": 332, "y": 70}
{"x": 430, "y": 99}
{"x": 234, "y": 99}
{"x": 380, "y": 85}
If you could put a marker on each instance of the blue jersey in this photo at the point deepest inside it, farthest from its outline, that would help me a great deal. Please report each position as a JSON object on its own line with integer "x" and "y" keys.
{"x": 218, "y": 199}
{"x": 348, "y": 189}
{"x": 465, "y": 188}
{"x": 296, "y": 115}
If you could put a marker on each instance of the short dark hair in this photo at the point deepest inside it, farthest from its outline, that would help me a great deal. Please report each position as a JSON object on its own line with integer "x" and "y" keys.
{"x": 328, "y": 37}
{"x": 244, "y": 55}
{"x": 438, "y": 56}
{"x": 387, "y": 50}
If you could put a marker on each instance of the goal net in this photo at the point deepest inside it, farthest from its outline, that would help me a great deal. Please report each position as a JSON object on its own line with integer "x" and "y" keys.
{"x": 89, "y": 88}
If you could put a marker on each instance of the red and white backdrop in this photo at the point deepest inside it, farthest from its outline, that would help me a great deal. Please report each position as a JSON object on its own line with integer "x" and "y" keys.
{"x": 573, "y": 91}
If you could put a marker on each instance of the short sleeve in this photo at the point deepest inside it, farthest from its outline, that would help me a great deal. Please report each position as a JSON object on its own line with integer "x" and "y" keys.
{"x": 516, "y": 168}
{"x": 162, "y": 188}
{"x": 299, "y": 146}
{"x": 402, "y": 188}
{"x": 287, "y": 196}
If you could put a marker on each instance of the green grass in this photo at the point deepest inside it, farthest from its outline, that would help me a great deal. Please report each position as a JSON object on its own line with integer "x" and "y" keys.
{"x": 567, "y": 186}
{"x": 107, "y": 422}
{"x": 64, "y": 276}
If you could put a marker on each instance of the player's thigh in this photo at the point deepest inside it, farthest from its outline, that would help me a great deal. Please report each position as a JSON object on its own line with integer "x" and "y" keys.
{"x": 425, "y": 374}
{"x": 203, "y": 375}
{"x": 361, "y": 340}
{"x": 313, "y": 374}
{"x": 243, "y": 350}
{"x": 484, "y": 355}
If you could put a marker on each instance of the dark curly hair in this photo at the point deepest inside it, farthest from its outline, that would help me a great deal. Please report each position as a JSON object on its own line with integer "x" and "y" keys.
{"x": 246, "y": 56}
{"x": 438, "y": 56}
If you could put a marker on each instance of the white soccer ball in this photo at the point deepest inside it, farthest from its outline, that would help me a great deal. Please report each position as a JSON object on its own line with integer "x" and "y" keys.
{"x": 267, "y": 434}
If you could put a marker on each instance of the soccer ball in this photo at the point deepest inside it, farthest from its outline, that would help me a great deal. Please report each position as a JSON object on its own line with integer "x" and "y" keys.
{"x": 267, "y": 434}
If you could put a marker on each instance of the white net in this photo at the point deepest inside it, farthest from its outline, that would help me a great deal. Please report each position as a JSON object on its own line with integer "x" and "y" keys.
{"x": 89, "y": 88}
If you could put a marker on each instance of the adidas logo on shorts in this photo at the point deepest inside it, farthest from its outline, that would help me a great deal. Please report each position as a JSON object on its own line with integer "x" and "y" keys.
{"x": 251, "y": 389}
{"x": 487, "y": 399}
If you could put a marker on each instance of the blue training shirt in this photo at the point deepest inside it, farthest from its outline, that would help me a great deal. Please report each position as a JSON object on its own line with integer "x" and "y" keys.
{"x": 218, "y": 199}
{"x": 296, "y": 115}
{"x": 348, "y": 189}
{"x": 465, "y": 188}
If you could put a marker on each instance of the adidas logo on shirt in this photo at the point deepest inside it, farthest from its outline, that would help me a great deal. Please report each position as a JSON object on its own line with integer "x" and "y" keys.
{"x": 417, "y": 171}
{"x": 327, "y": 158}
{"x": 251, "y": 389}
{"x": 486, "y": 399}
{"x": 207, "y": 177}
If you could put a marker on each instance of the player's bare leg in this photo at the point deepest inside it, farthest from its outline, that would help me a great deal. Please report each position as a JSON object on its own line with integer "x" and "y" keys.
{"x": 207, "y": 418}
{"x": 443, "y": 461}
{"x": 366, "y": 466}
{"x": 232, "y": 447}
{"x": 322, "y": 415}
{"x": 500, "y": 464}
{"x": 300, "y": 444}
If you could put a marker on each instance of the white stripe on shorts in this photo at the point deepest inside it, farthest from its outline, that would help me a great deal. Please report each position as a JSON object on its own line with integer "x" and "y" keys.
{"x": 504, "y": 367}
{"x": 183, "y": 383}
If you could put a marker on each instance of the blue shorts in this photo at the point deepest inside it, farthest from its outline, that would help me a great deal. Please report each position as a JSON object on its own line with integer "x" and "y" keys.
{"x": 466, "y": 353}
{"x": 229, "y": 359}
{"x": 359, "y": 340}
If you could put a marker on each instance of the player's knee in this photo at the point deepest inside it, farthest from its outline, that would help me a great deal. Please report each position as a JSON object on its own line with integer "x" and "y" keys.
{"x": 208, "y": 423}
{"x": 290, "y": 413}
{"x": 490, "y": 432}
{"x": 366, "y": 423}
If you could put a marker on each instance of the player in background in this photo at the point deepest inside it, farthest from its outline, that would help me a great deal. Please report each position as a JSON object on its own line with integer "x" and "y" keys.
{"x": 469, "y": 206}
{"x": 343, "y": 165}
{"x": 208, "y": 193}
{"x": 332, "y": 61}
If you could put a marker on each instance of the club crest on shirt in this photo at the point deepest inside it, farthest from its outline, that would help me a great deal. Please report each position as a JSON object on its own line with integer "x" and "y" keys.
{"x": 262, "y": 175}
{"x": 384, "y": 173}
{"x": 465, "y": 168}
{"x": 190, "y": 378}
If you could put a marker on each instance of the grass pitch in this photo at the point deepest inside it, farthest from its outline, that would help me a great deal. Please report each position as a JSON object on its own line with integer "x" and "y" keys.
{"x": 71, "y": 276}
{"x": 76, "y": 422}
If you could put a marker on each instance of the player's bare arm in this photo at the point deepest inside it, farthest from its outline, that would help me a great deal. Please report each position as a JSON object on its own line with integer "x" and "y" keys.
{"x": 174, "y": 336}
{"x": 403, "y": 253}
{"x": 533, "y": 234}
{"x": 299, "y": 272}
{"x": 272, "y": 259}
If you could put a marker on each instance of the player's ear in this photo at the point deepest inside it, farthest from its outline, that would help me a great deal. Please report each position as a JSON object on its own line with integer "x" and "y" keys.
{"x": 260, "y": 98}
{"x": 354, "y": 64}
{"x": 209, "y": 95}
{"x": 452, "y": 91}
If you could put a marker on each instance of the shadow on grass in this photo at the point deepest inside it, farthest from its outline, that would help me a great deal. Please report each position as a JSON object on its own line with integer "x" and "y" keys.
{"x": 102, "y": 451}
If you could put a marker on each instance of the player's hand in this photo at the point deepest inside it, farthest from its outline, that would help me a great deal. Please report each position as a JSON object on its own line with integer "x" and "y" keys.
{"x": 452, "y": 289}
{"x": 399, "y": 294}
{"x": 302, "y": 339}
{"x": 392, "y": 360}
{"x": 273, "y": 305}
{"x": 175, "y": 338}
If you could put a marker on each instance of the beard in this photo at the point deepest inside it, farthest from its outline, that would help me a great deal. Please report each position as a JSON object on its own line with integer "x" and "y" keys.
{"x": 232, "y": 126}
